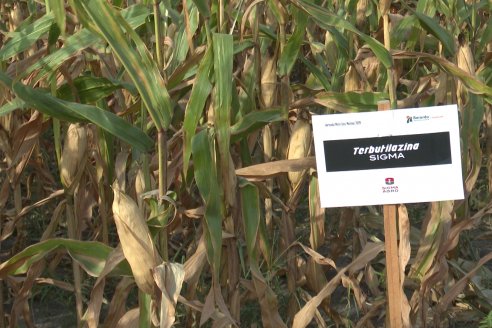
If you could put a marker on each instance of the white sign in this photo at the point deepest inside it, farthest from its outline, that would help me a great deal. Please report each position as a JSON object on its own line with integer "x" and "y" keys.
{"x": 388, "y": 157}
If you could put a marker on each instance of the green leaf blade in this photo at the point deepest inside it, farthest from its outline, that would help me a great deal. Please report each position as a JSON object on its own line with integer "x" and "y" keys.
{"x": 431, "y": 26}
{"x": 25, "y": 37}
{"x": 198, "y": 98}
{"x": 325, "y": 19}
{"x": 74, "y": 112}
{"x": 137, "y": 61}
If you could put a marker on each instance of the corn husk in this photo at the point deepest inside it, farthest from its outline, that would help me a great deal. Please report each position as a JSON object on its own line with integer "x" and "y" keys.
{"x": 135, "y": 239}
{"x": 352, "y": 80}
{"x": 74, "y": 148}
{"x": 331, "y": 51}
{"x": 268, "y": 80}
{"x": 16, "y": 16}
{"x": 384, "y": 6}
{"x": 360, "y": 19}
{"x": 140, "y": 186}
{"x": 299, "y": 144}
{"x": 464, "y": 60}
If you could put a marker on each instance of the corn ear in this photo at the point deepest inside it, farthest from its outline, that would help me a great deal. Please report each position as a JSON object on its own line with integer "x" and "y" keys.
{"x": 360, "y": 19}
{"x": 299, "y": 144}
{"x": 135, "y": 239}
{"x": 352, "y": 80}
{"x": 331, "y": 51}
{"x": 74, "y": 149}
{"x": 464, "y": 60}
{"x": 268, "y": 80}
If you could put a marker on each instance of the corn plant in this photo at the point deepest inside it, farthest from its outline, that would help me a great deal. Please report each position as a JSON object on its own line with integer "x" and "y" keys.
{"x": 170, "y": 144}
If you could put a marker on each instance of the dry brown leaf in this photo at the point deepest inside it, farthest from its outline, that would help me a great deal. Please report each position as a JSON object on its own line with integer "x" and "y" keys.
{"x": 458, "y": 287}
{"x": 94, "y": 307}
{"x": 194, "y": 265}
{"x": 404, "y": 251}
{"x": 135, "y": 240}
{"x": 120, "y": 169}
{"x": 360, "y": 298}
{"x": 375, "y": 310}
{"x": 306, "y": 314}
{"x": 317, "y": 257}
{"x": 315, "y": 276}
{"x": 57, "y": 283}
{"x": 454, "y": 234}
{"x": 271, "y": 169}
{"x": 208, "y": 307}
{"x": 169, "y": 278}
{"x": 130, "y": 319}
{"x": 268, "y": 302}
{"x": 117, "y": 307}
{"x": 432, "y": 230}
{"x": 25, "y": 137}
{"x": 9, "y": 226}
{"x": 197, "y": 306}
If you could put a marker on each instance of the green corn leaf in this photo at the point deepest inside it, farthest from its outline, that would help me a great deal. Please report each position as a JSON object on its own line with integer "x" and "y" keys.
{"x": 134, "y": 15}
{"x": 6, "y": 80}
{"x": 340, "y": 40}
{"x": 186, "y": 69}
{"x": 433, "y": 27}
{"x": 254, "y": 121}
{"x": 351, "y": 101}
{"x": 325, "y": 19}
{"x": 250, "y": 209}
{"x": 181, "y": 46}
{"x": 203, "y": 7}
{"x": 11, "y": 106}
{"x": 90, "y": 89}
{"x": 51, "y": 62}
{"x": 137, "y": 61}
{"x": 471, "y": 82}
{"x": 196, "y": 104}
{"x": 486, "y": 35}
{"x": 289, "y": 53}
{"x": 317, "y": 73}
{"x": 208, "y": 185}
{"x": 58, "y": 9}
{"x": 74, "y": 112}
{"x": 91, "y": 255}
{"x": 24, "y": 37}
{"x": 223, "y": 47}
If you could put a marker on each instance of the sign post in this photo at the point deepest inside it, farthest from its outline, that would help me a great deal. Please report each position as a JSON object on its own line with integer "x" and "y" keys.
{"x": 393, "y": 283}
{"x": 385, "y": 158}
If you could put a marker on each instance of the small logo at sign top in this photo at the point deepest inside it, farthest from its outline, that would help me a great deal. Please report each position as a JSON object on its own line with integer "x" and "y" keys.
{"x": 415, "y": 118}
{"x": 389, "y": 181}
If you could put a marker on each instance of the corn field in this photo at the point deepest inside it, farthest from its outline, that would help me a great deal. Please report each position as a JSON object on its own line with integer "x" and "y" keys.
{"x": 156, "y": 161}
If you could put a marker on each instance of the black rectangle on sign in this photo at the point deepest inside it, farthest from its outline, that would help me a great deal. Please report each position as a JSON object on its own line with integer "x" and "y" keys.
{"x": 388, "y": 152}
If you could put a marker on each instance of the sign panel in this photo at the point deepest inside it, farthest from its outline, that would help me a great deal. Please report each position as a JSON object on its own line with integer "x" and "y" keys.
{"x": 388, "y": 157}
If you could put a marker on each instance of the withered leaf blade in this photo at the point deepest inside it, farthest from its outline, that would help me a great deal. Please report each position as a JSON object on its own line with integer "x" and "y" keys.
{"x": 271, "y": 169}
{"x": 169, "y": 278}
{"x": 135, "y": 240}
{"x": 129, "y": 319}
{"x": 308, "y": 311}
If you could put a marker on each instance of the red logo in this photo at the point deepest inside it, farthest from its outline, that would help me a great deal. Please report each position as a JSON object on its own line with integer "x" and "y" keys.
{"x": 389, "y": 181}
